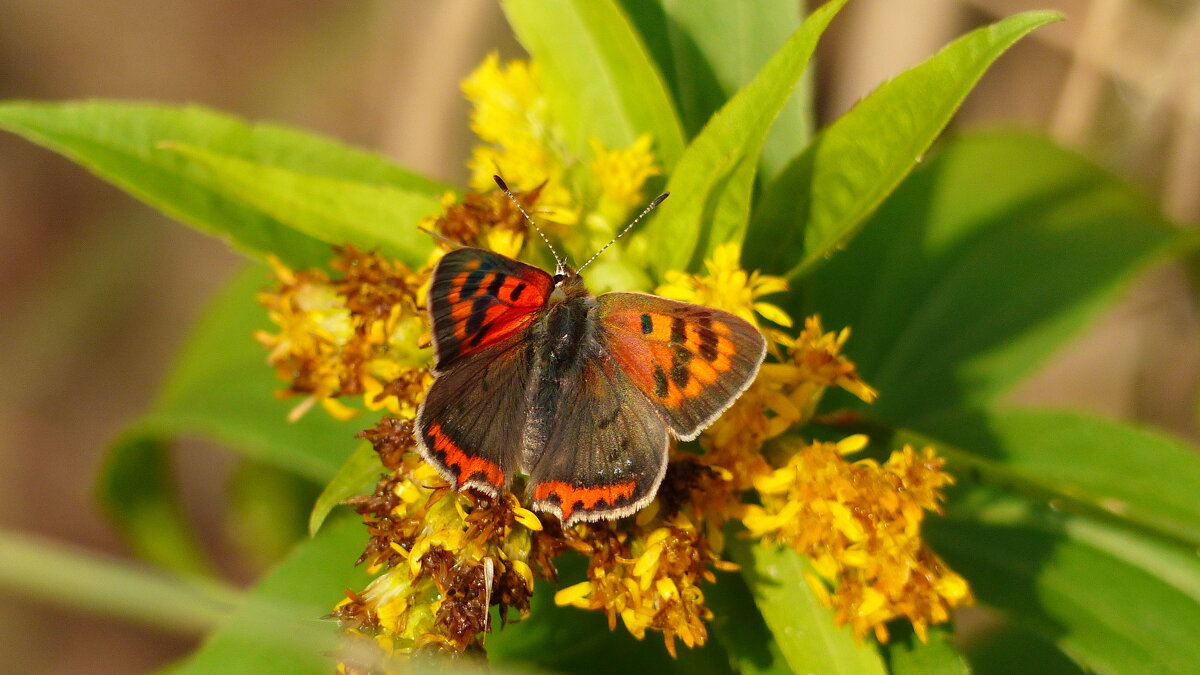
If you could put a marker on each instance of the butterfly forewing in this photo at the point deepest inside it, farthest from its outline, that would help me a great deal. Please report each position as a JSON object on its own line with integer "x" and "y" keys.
{"x": 478, "y": 299}
{"x": 691, "y": 362}
{"x": 605, "y": 448}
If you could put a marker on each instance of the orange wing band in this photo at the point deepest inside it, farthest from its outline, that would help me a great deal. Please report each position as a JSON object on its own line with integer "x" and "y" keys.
{"x": 587, "y": 497}
{"x": 468, "y": 466}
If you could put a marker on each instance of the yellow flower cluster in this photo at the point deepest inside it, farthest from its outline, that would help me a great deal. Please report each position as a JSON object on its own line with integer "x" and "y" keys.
{"x": 523, "y": 143}
{"x": 860, "y": 525}
{"x": 446, "y": 557}
{"x": 648, "y": 574}
{"x": 354, "y": 335}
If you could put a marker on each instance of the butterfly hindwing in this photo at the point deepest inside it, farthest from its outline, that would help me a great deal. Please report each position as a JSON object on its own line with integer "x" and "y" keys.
{"x": 470, "y": 424}
{"x": 478, "y": 299}
{"x": 604, "y": 451}
{"x": 691, "y": 362}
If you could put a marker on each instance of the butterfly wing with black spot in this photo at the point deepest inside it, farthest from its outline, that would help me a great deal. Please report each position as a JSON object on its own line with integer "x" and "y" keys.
{"x": 691, "y": 362}
{"x": 605, "y": 448}
{"x": 478, "y": 299}
{"x": 470, "y": 424}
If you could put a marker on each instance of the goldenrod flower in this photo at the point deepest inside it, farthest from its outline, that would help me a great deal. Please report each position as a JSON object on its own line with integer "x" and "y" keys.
{"x": 523, "y": 143}
{"x": 446, "y": 556}
{"x": 860, "y": 525}
{"x": 357, "y": 334}
{"x": 509, "y": 113}
{"x": 648, "y": 575}
{"x": 620, "y": 174}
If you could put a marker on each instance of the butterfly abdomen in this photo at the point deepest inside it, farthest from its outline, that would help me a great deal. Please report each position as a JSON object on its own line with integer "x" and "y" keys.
{"x": 564, "y": 338}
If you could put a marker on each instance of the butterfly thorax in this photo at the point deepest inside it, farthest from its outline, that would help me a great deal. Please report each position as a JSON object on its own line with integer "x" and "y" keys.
{"x": 563, "y": 338}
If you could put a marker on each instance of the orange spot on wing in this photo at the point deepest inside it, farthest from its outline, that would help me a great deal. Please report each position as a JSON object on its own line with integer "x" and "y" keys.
{"x": 457, "y": 284}
{"x": 467, "y": 465}
{"x": 702, "y": 371}
{"x": 587, "y": 497}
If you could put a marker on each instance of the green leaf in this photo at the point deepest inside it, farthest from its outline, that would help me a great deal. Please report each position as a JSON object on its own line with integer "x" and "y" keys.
{"x": 714, "y": 180}
{"x": 817, "y": 203}
{"x": 279, "y": 628}
{"x": 136, "y": 486}
{"x": 983, "y": 263}
{"x": 1137, "y": 475}
{"x": 121, "y": 143}
{"x": 266, "y": 511}
{"x": 907, "y": 655}
{"x": 708, "y": 50}
{"x": 802, "y": 626}
{"x": 332, "y": 210}
{"x": 1001, "y": 648}
{"x": 741, "y": 630}
{"x": 357, "y": 475}
{"x": 598, "y": 78}
{"x": 1111, "y": 598}
{"x": 50, "y": 571}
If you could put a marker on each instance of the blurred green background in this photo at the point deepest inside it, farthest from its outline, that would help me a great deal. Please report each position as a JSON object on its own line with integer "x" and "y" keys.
{"x": 97, "y": 291}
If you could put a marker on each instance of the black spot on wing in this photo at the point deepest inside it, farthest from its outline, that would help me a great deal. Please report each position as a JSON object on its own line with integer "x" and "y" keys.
{"x": 679, "y": 367}
{"x": 471, "y": 285}
{"x": 516, "y": 291}
{"x": 493, "y": 288}
{"x": 647, "y": 324}
{"x": 660, "y": 382}
{"x": 478, "y": 312}
{"x": 708, "y": 339}
{"x": 678, "y": 330}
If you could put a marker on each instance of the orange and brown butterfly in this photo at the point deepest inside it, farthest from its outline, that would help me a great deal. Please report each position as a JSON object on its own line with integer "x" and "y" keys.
{"x": 580, "y": 393}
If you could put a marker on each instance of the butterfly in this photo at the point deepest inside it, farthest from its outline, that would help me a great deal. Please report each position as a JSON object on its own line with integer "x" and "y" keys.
{"x": 580, "y": 393}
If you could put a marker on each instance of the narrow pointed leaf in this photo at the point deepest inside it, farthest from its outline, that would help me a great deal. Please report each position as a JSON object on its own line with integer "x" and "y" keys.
{"x": 361, "y": 470}
{"x": 802, "y": 626}
{"x": 817, "y": 204}
{"x": 1113, "y": 599}
{"x": 984, "y": 262}
{"x": 1110, "y": 467}
{"x": 739, "y": 626}
{"x": 121, "y": 143}
{"x": 597, "y": 75}
{"x": 336, "y": 211}
{"x": 138, "y": 489}
{"x": 80, "y": 580}
{"x": 713, "y": 183}
{"x": 907, "y": 655}
{"x": 709, "y": 50}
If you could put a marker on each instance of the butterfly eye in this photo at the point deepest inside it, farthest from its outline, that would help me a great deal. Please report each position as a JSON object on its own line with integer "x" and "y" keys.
{"x": 558, "y": 278}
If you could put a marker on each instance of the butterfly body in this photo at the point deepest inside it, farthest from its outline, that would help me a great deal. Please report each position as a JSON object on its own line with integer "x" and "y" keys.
{"x": 581, "y": 393}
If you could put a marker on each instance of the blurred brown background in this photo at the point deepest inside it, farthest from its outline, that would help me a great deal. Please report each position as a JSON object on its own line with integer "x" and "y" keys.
{"x": 97, "y": 291}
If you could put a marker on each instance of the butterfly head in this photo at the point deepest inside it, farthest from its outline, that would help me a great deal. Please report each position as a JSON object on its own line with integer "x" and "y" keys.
{"x": 567, "y": 283}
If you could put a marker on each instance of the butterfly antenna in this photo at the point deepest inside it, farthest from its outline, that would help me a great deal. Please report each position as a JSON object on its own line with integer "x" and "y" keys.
{"x": 641, "y": 215}
{"x": 441, "y": 237}
{"x": 504, "y": 186}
